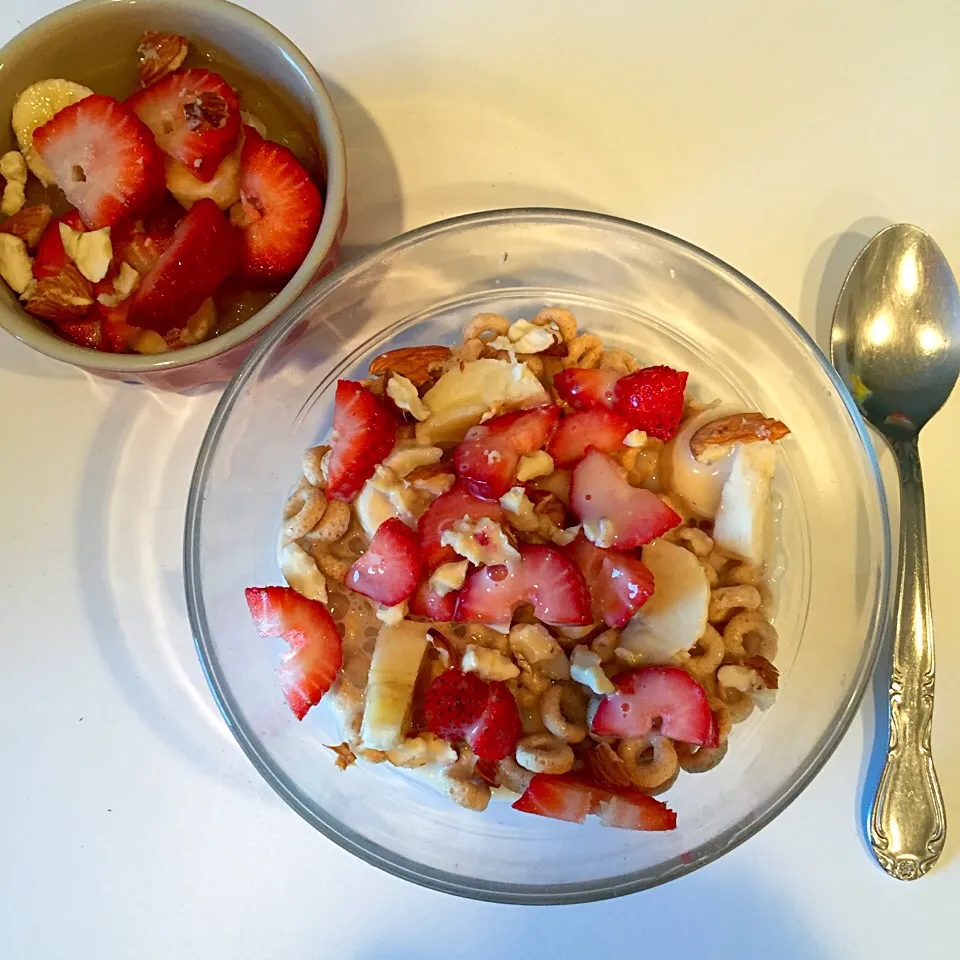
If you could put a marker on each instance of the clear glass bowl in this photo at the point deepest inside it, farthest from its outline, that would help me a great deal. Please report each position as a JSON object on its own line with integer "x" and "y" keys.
{"x": 668, "y": 302}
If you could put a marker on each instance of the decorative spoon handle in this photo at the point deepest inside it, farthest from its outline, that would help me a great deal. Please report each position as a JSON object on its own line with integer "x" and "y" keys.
{"x": 908, "y": 824}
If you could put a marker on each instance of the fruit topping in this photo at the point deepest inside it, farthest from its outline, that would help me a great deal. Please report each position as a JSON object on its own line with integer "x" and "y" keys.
{"x": 586, "y": 389}
{"x": 599, "y": 428}
{"x": 389, "y": 569}
{"x": 652, "y": 400}
{"x": 450, "y": 507}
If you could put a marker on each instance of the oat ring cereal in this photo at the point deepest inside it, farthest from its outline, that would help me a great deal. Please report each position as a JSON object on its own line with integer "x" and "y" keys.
{"x": 725, "y": 600}
{"x": 559, "y": 702}
{"x": 648, "y": 773}
{"x": 584, "y": 352}
{"x": 544, "y": 753}
{"x": 303, "y": 511}
{"x": 711, "y": 652}
{"x": 750, "y": 634}
{"x": 564, "y": 321}
{"x": 312, "y": 466}
{"x": 485, "y": 327}
{"x": 618, "y": 360}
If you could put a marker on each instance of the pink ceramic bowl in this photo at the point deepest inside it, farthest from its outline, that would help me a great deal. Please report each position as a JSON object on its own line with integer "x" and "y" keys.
{"x": 60, "y": 45}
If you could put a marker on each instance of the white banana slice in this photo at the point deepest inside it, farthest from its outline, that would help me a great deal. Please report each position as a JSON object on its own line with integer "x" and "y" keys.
{"x": 37, "y": 104}
{"x": 393, "y": 672}
{"x": 223, "y": 188}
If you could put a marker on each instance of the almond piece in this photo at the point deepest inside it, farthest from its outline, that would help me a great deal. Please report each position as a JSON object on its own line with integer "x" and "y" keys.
{"x": 160, "y": 54}
{"x": 767, "y": 672}
{"x": 29, "y": 224}
{"x": 67, "y": 296}
{"x": 607, "y": 768}
{"x": 418, "y": 364}
{"x": 737, "y": 428}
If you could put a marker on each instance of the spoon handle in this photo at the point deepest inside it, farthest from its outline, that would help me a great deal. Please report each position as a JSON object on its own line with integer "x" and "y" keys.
{"x": 908, "y": 824}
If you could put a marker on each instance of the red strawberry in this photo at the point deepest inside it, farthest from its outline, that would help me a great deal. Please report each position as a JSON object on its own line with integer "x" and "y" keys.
{"x": 103, "y": 159}
{"x": 84, "y": 333}
{"x": 633, "y": 810}
{"x": 449, "y": 507}
{"x": 203, "y": 252}
{"x": 461, "y": 706}
{"x": 486, "y": 460}
{"x": 599, "y": 428}
{"x": 586, "y": 389}
{"x": 560, "y": 797}
{"x": 544, "y": 578}
{"x": 601, "y": 496}
{"x": 364, "y": 431}
{"x": 389, "y": 569}
{"x": 316, "y": 647}
{"x": 427, "y": 604}
{"x": 116, "y": 331}
{"x": 193, "y": 115}
{"x": 648, "y": 694}
{"x": 279, "y": 210}
{"x": 652, "y": 400}
{"x": 51, "y": 258}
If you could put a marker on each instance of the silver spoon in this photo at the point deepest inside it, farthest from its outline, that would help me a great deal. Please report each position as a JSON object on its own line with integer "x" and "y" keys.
{"x": 896, "y": 343}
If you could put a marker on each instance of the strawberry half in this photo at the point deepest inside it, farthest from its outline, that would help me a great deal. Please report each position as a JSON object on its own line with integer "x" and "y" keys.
{"x": 364, "y": 432}
{"x": 586, "y": 389}
{"x": 600, "y": 428}
{"x": 648, "y": 694}
{"x": 449, "y": 507}
{"x": 544, "y": 577}
{"x": 601, "y": 497}
{"x": 652, "y": 400}
{"x": 51, "y": 258}
{"x": 461, "y": 706}
{"x": 103, "y": 159}
{"x": 316, "y": 647}
{"x": 279, "y": 210}
{"x": 389, "y": 569}
{"x": 486, "y": 460}
{"x": 633, "y": 810}
{"x": 427, "y": 604}
{"x": 194, "y": 116}
{"x": 202, "y": 253}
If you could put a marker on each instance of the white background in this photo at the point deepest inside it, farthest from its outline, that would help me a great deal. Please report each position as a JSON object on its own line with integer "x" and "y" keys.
{"x": 775, "y": 135}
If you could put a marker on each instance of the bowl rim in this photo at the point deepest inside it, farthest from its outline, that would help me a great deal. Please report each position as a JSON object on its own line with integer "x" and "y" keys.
{"x": 444, "y": 881}
{"x": 14, "y": 321}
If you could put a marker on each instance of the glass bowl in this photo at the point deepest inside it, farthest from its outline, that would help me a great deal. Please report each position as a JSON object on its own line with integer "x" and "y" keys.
{"x": 668, "y": 302}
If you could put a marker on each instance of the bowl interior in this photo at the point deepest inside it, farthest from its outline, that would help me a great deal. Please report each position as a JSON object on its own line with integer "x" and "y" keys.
{"x": 668, "y": 303}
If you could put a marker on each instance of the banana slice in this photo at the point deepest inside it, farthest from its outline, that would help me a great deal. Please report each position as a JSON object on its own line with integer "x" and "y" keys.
{"x": 37, "y": 104}
{"x": 393, "y": 672}
{"x": 223, "y": 189}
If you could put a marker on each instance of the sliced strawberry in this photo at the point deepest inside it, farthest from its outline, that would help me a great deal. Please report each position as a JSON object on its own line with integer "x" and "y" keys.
{"x": 449, "y": 507}
{"x": 140, "y": 242}
{"x": 51, "y": 258}
{"x": 560, "y": 797}
{"x": 613, "y": 513}
{"x": 632, "y": 810}
{"x": 203, "y": 252}
{"x": 389, "y": 569}
{"x": 427, "y": 604}
{"x": 103, "y": 159}
{"x": 316, "y": 647}
{"x": 84, "y": 333}
{"x": 599, "y": 428}
{"x": 364, "y": 431}
{"x": 648, "y": 694}
{"x": 461, "y": 706}
{"x": 544, "y": 577}
{"x": 486, "y": 460}
{"x": 194, "y": 116}
{"x": 586, "y": 389}
{"x": 117, "y": 332}
{"x": 652, "y": 400}
{"x": 279, "y": 210}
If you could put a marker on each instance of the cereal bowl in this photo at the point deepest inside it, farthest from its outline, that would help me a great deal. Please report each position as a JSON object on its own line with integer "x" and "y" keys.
{"x": 664, "y": 300}
{"x": 279, "y": 82}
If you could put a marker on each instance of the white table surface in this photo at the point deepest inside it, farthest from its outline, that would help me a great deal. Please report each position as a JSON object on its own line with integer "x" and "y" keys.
{"x": 130, "y": 822}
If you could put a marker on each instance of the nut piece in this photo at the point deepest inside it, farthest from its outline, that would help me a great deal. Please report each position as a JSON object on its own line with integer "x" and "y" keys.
{"x": 29, "y": 224}
{"x": 16, "y": 267}
{"x": 417, "y": 364}
{"x": 345, "y": 756}
{"x": 67, "y": 296}
{"x": 767, "y": 672}
{"x": 91, "y": 251}
{"x": 736, "y": 428}
{"x": 13, "y": 168}
{"x": 160, "y": 54}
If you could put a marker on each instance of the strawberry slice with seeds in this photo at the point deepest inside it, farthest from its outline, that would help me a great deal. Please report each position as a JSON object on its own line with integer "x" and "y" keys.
{"x": 651, "y": 399}
{"x": 633, "y": 810}
{"x": 84, "y": 333}
{"x": 316, "y": 647}
{"x": 202, "y": 253}
{"x": 586, "y": 389}
{"x": 560, "y": 797}
{"x": 427, "y": 604}
{"x": 648, "y": 694}
{"x": 461, "y": 706}
{"x": 103, "y": 159}
{"x": 544, "y": 577}
{"x": 364, "y": 432}
{"x": 194, "y": 116}
{"x": 599, "y": 428}
{"x": 486, "y": 460}
{"x": 389, "y": 569}
{"x": 279, "y": 210}
{"x": 51, "y": 258}
{"x": 456, "y": 504}
{"x": 613, "y": 513}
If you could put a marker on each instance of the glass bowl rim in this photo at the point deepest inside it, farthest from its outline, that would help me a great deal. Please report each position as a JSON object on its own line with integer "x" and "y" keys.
{"x": 403, "y": 867}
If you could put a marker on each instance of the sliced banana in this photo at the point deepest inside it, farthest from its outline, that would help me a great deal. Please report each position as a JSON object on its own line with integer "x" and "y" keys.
{"x": 223, "y": 189}
{"x": 37, "y": 104}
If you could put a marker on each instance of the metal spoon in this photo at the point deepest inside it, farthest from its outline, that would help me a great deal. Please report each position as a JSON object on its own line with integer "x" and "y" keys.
{"x": 896, "y": 343}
